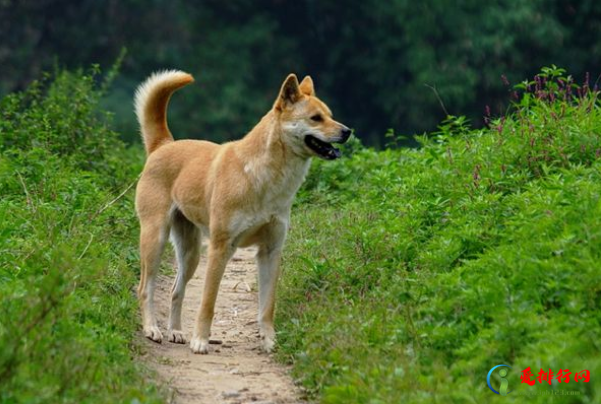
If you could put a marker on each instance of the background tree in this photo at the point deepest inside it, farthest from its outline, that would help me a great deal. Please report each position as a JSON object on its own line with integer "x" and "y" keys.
{"x": 376, "y": 63}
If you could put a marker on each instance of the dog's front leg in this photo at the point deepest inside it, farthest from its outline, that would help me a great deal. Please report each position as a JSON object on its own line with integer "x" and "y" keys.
{"x": 268, "y": 261}
{"x": 218, "y": 255}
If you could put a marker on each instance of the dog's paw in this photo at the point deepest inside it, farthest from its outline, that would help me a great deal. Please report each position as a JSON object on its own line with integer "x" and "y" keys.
{"x": 199, "y": 346}
{"x": 267, "y": 335}
{"x": 268, "y": 344}
{"x": 153, "y": 333}
{"x": 177, "y": 337}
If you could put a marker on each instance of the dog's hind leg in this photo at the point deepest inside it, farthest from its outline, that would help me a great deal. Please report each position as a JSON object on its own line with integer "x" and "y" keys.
{"x": 219, "y": 254}
{"x": 186, "y": 239}
{"x": 153, "y": 233}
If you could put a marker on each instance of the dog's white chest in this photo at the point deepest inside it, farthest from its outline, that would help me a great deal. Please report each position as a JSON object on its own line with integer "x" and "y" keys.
{"x": 274, "y": 196}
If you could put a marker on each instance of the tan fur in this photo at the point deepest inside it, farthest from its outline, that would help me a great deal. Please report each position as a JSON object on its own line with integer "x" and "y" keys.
{"x": 238, "y": 194}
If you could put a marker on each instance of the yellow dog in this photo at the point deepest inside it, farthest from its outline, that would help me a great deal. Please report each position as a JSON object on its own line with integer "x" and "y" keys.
{"x": 238, "y": 194}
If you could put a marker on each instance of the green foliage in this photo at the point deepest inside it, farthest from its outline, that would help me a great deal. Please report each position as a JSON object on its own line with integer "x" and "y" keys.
{"x": 410, "y": 273}
{"x": 376, "y": 63}
{"x": 67, "y": 307}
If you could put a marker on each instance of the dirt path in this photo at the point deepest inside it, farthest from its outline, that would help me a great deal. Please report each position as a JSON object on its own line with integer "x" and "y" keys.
{"x": 234, "y": 371}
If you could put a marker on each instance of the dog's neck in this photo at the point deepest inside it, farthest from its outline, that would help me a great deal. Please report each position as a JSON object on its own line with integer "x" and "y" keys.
{"x": 272, "y": 163}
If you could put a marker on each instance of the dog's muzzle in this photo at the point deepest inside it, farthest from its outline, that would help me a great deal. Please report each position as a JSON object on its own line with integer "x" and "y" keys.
{"x": 326, "y": 150}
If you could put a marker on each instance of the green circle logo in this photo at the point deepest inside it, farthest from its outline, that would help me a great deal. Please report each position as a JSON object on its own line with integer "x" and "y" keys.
{"x": 504, "y": 382}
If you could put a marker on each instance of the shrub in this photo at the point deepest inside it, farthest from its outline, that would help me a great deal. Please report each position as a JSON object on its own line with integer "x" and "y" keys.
{"x": 67, "y": 309}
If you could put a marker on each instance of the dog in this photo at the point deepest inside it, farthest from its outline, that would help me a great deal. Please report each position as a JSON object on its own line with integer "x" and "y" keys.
{"x": 236, "y": 194}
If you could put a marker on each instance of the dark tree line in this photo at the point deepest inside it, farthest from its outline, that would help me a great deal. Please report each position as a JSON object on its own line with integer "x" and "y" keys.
{"x": 379, "y": 64}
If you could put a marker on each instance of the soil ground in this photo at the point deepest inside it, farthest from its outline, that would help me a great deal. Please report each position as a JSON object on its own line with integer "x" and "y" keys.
{"x": 235, "y": 371}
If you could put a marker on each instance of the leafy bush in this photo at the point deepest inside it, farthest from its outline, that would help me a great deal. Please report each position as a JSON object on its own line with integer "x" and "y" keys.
{"x": 67, "y": 309}
{"x": 411, "y": 273}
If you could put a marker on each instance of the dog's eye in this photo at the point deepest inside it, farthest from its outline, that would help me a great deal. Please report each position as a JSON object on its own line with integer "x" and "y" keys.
{"x": 317, "y": 118}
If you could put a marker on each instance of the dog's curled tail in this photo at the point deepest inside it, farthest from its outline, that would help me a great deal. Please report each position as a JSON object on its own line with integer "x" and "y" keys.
{"x": 151, "y": 100}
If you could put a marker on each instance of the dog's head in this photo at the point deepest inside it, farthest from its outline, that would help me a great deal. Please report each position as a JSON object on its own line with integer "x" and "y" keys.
{"x": 307, "y": 124}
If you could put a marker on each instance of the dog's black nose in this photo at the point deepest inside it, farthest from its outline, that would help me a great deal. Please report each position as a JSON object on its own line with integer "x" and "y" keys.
{"x": 346, "y": 133}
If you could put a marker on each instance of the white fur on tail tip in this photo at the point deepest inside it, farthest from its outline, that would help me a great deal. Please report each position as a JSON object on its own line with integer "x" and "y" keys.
{"x": 156, "y": 80}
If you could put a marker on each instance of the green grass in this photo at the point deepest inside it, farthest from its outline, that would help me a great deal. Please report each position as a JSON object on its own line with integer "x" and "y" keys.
{"x": 409, "y": 274}
{"x": 68, "y": 259}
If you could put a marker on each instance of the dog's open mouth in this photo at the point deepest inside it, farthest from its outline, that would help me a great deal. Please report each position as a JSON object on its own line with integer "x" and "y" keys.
{"x": 321, "y": 148}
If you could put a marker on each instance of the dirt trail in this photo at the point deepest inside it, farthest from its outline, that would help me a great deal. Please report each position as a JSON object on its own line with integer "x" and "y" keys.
{"x": 235, "y": 371}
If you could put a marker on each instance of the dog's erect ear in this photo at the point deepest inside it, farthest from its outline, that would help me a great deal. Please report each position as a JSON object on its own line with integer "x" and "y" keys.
{"x": 306, "y": 86}
{"x": 289, "y": 94}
